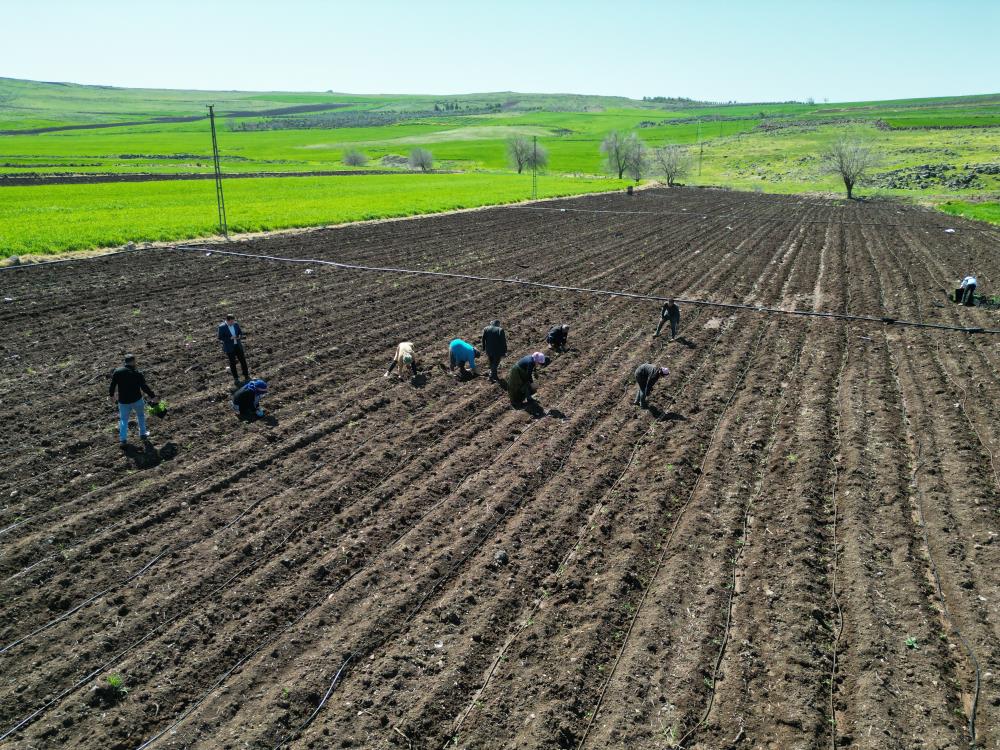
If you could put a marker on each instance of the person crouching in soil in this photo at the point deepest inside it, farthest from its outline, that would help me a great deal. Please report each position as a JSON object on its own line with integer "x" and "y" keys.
{"x": 671, "y": 313}
{"x": 403, "y": 358}
{"x": 557, "y": 336}
{"x": 645, "y": 378}
{"x": 460, "y": 354}
{"x": 246, "y": 401}
{"x": 520, "y": 379}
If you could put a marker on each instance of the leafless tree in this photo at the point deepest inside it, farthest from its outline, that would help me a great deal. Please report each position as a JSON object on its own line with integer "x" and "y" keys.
{"x": 850, "y": 157}
{"x": 518, "y": 151}
{"x": 422, "y": 159}
{"x": 636, "y": 157}
{"x": 615, "y": 152}
{"x": 354, "y": 158}
{"x": 673, "y": 162}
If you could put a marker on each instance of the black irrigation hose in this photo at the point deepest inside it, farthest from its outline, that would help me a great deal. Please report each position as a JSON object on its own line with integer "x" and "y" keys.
{"x": 587, "y": 290}
{"x": 748, "y": 217}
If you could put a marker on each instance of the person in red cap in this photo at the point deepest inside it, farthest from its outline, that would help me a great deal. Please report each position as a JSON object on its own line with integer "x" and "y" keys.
{"x": 645, "y": 378}
{"x": 520, "y": 379}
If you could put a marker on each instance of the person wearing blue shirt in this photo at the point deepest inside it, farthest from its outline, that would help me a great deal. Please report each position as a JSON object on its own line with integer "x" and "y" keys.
{"x": 460, "y": 354}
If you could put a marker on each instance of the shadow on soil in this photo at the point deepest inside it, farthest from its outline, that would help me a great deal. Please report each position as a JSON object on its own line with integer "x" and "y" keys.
{"x": 147, "y": 455}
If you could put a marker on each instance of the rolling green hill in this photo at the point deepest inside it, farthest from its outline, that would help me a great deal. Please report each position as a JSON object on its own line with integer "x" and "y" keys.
{"x": 936, "y": 150}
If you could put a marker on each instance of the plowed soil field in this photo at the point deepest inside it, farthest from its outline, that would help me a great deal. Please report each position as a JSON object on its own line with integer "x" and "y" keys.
{"x": 796, "y": 547}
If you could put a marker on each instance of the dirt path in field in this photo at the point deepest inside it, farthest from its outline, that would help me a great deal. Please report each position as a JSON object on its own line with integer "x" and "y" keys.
{"x": 796, "y": 547}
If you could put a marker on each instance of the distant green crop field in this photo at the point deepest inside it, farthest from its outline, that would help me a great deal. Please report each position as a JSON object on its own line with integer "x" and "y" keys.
{"x": 42, "y": 219}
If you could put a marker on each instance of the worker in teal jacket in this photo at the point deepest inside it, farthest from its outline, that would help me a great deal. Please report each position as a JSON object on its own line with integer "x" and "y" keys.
{"x": 460, "y": 354}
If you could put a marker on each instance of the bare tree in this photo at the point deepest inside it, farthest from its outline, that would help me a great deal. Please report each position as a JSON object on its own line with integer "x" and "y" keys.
{"x": 538, "y": 156}
{"x": 518, "y": 151}
{"x": 354, "y": 158}
{"x": 422, "y": 159}
{"x": 636, "y": 157}
{"x": 615, "y": 152}
{"x": 673, "y": 162}
{"x": 850, "y": 157}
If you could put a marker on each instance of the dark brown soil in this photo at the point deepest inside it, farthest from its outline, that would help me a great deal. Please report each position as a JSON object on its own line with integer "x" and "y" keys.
{"x": 385, "y": 564}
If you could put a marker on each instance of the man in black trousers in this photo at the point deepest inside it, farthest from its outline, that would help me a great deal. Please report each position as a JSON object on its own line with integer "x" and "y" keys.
{"x": 669, "y": 312}
{"x": 231, "y": 336}
{"x": 495, "y": 346}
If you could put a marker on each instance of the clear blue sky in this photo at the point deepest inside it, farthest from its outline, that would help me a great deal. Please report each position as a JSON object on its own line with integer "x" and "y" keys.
{"x": 751, "y": 50}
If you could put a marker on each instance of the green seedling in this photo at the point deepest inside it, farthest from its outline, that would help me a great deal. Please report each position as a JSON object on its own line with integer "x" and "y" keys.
{"x": 792, "y": 458}
{"x": 911, "y": 643}
{"x": 117, "y": 685}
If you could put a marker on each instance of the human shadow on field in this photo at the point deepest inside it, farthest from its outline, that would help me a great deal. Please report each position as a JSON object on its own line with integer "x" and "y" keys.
{"x": 556, "y": 414}
{"x": 148, "y": 456}
{"x": 666, "y": 416}
{"x": 683, "y": 341}
{"x": 419, "y": 380}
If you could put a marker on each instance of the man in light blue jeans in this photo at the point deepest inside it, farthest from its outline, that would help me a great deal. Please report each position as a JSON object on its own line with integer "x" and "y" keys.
{"x": 130, "y": 384}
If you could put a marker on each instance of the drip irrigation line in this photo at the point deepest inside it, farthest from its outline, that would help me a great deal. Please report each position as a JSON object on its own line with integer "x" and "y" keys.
{"x": 749, "y": 217}
{"x": 588, "y": 290}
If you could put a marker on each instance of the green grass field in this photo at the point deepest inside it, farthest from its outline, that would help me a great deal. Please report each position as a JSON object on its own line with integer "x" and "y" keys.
{"x": 770, "y": 147}
{"x": 43, "y": 219}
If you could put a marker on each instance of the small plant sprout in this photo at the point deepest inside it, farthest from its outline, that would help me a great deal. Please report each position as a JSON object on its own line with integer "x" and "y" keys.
{"x": 911, "y": 643}
{"x": 117, "y": 684}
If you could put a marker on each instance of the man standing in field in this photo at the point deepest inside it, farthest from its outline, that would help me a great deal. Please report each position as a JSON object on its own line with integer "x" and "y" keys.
{"x": 404, "y": 358}
{"x": 495, "y": 346}
{"x": 557, "y": 336}
{"x": 231, "y": 336}
{"x": 130, "y": 384}
{"x": 670, "y": 311}
{"x": 645, "y": 378}
{"x": 520, "y": 379}
{"x": 460, "y": 354}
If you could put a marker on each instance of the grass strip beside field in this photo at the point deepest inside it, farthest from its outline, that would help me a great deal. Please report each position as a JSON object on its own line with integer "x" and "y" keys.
{"x": 985, "y": 211}
{"x": 55, "y": 218}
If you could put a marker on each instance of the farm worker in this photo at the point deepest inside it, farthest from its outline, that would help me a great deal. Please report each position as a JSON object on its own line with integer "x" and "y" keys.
{"x": 403, "y": 358}
{"x": 130, "y": 384}
{"x": 670, "y": 311}
{"x": 645, "y": 378}
{"x": 557, "y": 337}
{"x": 246, "y": 401}
{"x": 968, "y": 288}
{"x": 495, "y": 346}
{"x": 460, "y": 354}
{"x": 231, "y": 336}
{"x": 521, "y": 376}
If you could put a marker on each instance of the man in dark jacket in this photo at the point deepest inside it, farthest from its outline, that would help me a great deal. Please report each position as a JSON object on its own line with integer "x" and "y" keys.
{"x": 645, "y": 378}
{"x": 670, "y": 311}
{"x": 231, "y": 336}
{"x": 557, "y": 336}
{"x": 495, "y": 346}
{"x": 521, "y": 376}
{"x": 130, "y": 384}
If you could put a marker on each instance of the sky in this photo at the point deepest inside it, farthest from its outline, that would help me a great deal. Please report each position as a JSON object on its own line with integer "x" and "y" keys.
{"x": 715, "y": 50}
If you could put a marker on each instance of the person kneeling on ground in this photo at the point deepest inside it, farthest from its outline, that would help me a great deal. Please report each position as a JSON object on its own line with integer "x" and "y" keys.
{"x": 246, "y": 401}
{"x": 670, "y": 311}
{"x": 966, "y": 293}
{"x": 520, "y": 379}
{"x": 130, "y": 384}
{"x": 645, "y": 378}
{"x": 495, "y": 346}
{"x": 557, "y": 336}
{"x": 460, "y": 354}
{"x": 403, "y": 358}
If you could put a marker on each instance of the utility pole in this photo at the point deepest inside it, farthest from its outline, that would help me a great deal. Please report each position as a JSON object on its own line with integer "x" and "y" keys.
{"x": 219, "y": 198}
{"x": 534, "y": 167}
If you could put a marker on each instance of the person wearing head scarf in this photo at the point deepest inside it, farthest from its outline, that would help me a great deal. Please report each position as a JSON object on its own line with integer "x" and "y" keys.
{"x": 645, "y": 378}
{"x": 130, "y": 384}
{"x": 520, "y": 379}
{"x": 495, "y": 346}
{"x": 404, "y": 358}
{"x": 557, "y": 336}
{"x": 246, "y": 401}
